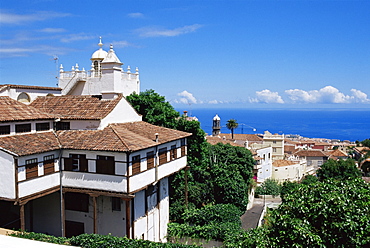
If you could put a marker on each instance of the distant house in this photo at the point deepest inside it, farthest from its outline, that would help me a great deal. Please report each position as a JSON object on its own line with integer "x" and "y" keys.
{"x": 314, "y": 158}
{"x": 85, "y": 163}
{"x": 337, "y": 154}
{"x": 27, "y": 93}
{"x": 287, "y": 170}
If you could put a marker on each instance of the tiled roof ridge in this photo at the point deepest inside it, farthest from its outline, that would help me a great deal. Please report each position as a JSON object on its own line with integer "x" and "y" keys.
{"x": 18, "y": 86}
{"x": 119, "y": 137}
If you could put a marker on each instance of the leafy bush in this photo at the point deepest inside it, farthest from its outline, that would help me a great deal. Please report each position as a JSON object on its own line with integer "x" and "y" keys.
{"x": 97, "y": 241}
{"x": 269, "y": 187}
{"x": 339, "y": 170}
{"x": 40, "y": 237}
{"x": 217, "y": 222}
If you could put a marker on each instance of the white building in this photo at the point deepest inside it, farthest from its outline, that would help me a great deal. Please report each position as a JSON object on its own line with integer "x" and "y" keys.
{"x": 106, "y": 75}
{"x": 75, "y": 164}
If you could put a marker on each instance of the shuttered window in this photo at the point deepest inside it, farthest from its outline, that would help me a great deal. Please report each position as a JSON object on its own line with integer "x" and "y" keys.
{"x": 173, "y": 152}
{"x": 48, "y": 164}
{"x": 31, "y": 168}
{"x": 136, "y": 165}
{"x": 76, "y": 162}
{"x": 105, "y": 165}
{"x": 150, "y": 160}
{"x": 162, "y": 155}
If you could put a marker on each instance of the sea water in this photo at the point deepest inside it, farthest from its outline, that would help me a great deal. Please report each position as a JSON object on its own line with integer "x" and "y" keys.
{"x": 342, "y": 124}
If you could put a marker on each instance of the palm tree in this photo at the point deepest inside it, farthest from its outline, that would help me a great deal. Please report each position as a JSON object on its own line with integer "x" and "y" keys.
{"x": 232, "y": 124}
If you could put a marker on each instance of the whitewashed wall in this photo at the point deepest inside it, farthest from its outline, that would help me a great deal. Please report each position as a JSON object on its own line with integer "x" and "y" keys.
{"x": 36, "y": 185}
{"x": 111, "y": 222}
{"x": 7, "y": 177}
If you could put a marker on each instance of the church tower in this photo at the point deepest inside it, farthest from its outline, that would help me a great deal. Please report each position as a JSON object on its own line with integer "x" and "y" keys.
{"x": 96, "y": 59}
{"x": 216, "y": 126}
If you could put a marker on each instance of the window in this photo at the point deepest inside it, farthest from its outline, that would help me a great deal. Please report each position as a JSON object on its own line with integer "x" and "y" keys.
{"x": 136, "y": 165}
{"x": 116, "y": 204}
{"x": 319, "y": 163}
{"x": 273, "y": 149}
{"x": 31, "y": 168}
{"x": 5, "y": 129}
{"x": 76, "y": 162}
{"x": 163, "y": 155}
{"x": 183, "y": 147}
{"x": 309, "y": 162}
{"x": 62, "y": 126}
{"x": 23, "y": 128}
{"x": 24, "y": 97}
{"x": 150, "y": 160}
{"x": 42, "y": 126}
{"x": 48, "y": 164}
{"x": 274, "y": 141}
{"x": 173, "y": 152}
{"x": 76, "y": 201}
{"x": 105, "y": 165}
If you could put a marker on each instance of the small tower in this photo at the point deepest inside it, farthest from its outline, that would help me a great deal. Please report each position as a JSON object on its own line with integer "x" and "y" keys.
{"x": 216, "y": 126}
{"x": 96, "y": 59}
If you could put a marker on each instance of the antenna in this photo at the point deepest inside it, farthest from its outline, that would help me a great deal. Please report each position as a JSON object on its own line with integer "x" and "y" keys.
{"x": 56, "y": 61}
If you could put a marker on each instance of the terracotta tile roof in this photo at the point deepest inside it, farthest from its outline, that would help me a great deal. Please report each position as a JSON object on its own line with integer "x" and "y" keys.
{"x": 116, "y": 137}
{"x": 131, "y": 136}
{"x": 310, "y": 153}
{"x": 290, "y": 149}
{"x": 337, "y": 153}
{"x": 12, "y": 110}
{"x": 76, "y": 107}
{"x": 281, "y": 163}
{"x": 33, "y": 87}
{"x": 244, "y": 137}
{"x": 27, "y": 144}
{"x": 213, "y": 140}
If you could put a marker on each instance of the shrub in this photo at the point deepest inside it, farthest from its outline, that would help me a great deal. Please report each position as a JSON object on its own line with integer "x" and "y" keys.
{"x": 269, "y": 187}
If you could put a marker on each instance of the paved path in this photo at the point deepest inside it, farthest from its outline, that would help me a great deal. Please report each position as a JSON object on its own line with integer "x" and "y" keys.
{"x": 251, "y": 217}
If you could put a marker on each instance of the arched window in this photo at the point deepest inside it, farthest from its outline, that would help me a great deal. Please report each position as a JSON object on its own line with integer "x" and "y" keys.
{"x": 24, "y": 97}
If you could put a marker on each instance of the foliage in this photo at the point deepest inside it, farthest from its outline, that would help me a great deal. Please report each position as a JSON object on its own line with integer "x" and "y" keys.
{"x": 365, "y": 142}
{"x": 269, "y": 187}
{"x": 287, "y": 188}
{"x": 232, "y": 124}
{"x": 309, "y": 179}
{"x": 154, "y": 108}
{"x": 332, "y": 213}
{"x": 217, "y": 222}
{"x": 340, "y": 170}
{"x": 328, "y": 214}
{"x": 96, "y": 241}
{"x": 40, "y": 237}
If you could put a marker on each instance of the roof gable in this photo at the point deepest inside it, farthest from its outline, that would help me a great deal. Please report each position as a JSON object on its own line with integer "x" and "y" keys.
{"x": 76, "y": 107}
{"x": 12, "y": 110}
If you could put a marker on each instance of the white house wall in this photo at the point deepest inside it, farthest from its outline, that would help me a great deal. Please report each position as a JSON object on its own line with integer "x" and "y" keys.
{"x": 32, "y": 93}
{"x": 109, "y": 221}
{"x": 266, "y": 164}
{"x": 140, "y": 219}
{"x": 33, "y": 126}
{"x": 164, "y": 206}
{"x": 47, "y": 215}
{"x": 7, "y": 182}
{"x": 171, "y": 167}
{"x": 142, "y": 179}
{"x": 122, "y": 113}
{"x": 94, "y": 181}
{"x": 39, "y": 184}
{"x": 289, "y": 173}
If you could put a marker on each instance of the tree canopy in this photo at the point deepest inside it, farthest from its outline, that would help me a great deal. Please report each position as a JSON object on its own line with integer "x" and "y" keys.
{"x": 232, "y": 124}
{"x": 338, "y": 169}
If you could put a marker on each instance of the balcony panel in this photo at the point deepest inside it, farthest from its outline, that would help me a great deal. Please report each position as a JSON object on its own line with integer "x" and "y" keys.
{"x": 94, "y": 181}
{"x": 38, "y": 184}
{"x": 142, "y": 179}
{"x": 171, "y": 167}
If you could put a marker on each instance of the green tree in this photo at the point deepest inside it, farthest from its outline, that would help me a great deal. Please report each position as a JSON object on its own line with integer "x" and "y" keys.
{"x": 269, "y": 187}
{"x": 154, "y": 108}
{"x": 338, "y": 169}
{"x": 232, "y": 124}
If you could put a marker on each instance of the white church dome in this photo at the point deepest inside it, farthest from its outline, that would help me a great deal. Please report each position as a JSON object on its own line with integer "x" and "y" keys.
{"x": 99, "y": 54}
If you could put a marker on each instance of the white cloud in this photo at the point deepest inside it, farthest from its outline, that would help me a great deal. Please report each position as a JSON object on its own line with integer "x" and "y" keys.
{"x": 122, "y": 43}
{"x": 359, "y": 96}
{"x": 10, "y": 18}
{"x": 267, "y": 96}
{"x": 77, "y": 37}
{"x": 187, "y": 98}
{"x": 158, "y": 31}
{"x": 53, "y": 30}
{"x": 135, "y": 15}
{"x": 328, "y": 94}
{"x": 213, "y": 102}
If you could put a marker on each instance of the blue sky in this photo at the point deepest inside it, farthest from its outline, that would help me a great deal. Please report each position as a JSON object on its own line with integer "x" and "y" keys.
{"x": 201, "y": 53}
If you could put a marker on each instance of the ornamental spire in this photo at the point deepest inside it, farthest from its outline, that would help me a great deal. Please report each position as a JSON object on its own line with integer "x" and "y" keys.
{"x": 100, "y": 43}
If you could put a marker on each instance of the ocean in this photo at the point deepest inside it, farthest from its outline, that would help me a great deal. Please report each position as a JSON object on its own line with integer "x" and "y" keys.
{"x": 342, "y": 124}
